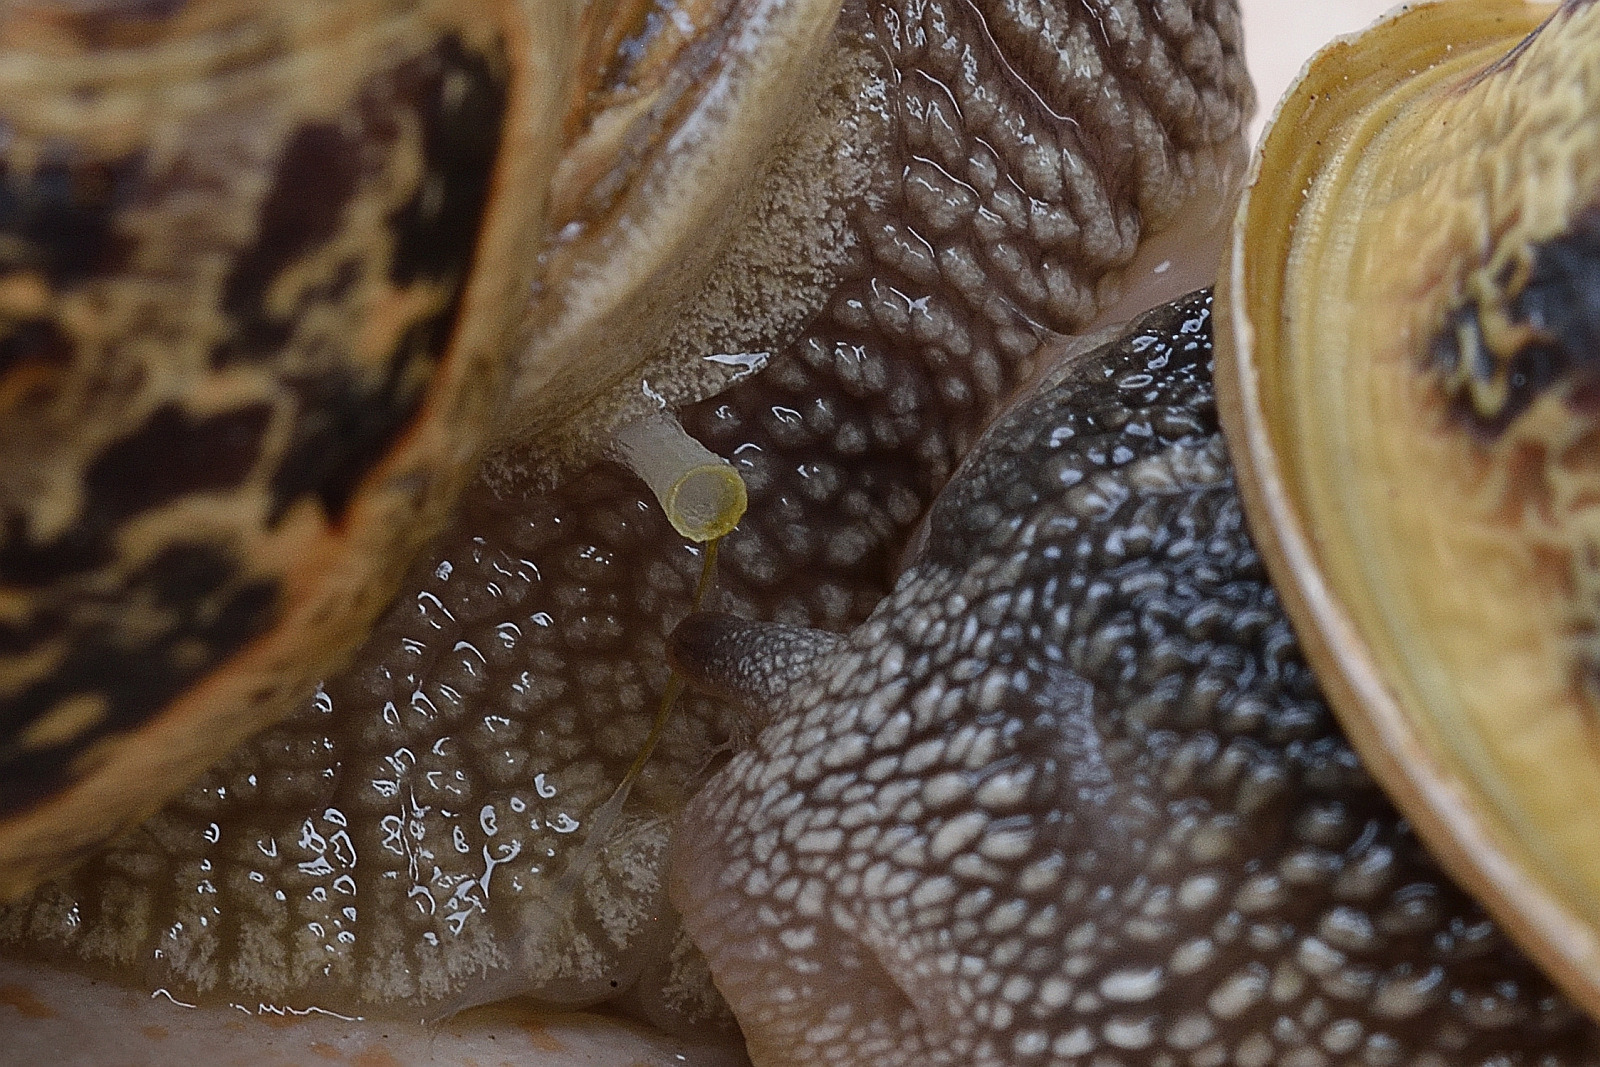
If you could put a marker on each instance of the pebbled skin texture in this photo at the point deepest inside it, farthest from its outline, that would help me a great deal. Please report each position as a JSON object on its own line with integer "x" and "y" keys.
{"x": 394, "y": 846}
{"x": 249, "y": 351}
{"x": 1070, "y": 795}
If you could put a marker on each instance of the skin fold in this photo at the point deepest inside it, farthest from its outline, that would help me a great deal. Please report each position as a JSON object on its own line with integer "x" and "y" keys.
{"x": 399, "y": 847}
{"x": 1071, "y": 795}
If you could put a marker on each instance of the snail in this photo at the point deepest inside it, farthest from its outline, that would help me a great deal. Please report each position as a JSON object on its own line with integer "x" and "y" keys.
{"x": 1067, "y": 169}
{"x": 987, "y": 503}
{"x": 1428, "y": 515}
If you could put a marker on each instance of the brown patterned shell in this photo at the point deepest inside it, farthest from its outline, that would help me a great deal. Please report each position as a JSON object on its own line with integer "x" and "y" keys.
{"x": 258, "y": 267}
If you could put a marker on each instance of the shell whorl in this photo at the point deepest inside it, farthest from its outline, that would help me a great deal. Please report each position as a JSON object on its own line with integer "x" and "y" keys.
{"x": 238, "y": 309}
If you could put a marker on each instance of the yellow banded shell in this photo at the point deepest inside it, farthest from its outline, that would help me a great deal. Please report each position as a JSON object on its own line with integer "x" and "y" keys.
{"x": 1409, "y": 389}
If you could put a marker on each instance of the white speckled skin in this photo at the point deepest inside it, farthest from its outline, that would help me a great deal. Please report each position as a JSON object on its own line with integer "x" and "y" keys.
{"x": 1070, "y": 794}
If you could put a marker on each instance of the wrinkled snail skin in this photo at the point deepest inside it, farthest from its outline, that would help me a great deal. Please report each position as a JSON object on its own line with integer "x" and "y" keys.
{"x": 1070, "y": 793}
{"x": 394, "y": 846}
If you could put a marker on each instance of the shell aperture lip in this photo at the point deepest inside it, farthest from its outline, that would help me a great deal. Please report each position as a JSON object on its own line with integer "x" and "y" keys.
{"x": 1415, "y": 443}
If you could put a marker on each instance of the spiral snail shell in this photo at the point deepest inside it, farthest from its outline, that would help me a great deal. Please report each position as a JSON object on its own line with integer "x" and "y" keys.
{"x": 270, "y": 280}
{"x": 1407, "y": 377}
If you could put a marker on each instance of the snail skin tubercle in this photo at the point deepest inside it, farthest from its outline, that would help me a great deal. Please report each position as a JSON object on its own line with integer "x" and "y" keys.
{"x": 1123, "y": 827}
{"x": 395, "y": 847}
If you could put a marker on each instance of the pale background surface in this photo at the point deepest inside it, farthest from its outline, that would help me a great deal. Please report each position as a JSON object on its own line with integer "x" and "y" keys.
{"x": 1280, "y": 35}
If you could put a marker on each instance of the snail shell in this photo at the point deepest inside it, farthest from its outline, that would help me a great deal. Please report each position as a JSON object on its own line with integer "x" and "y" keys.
{"x": 241, "y": 331}
{"x": 1408, "y": 381}
{"x": 270, "y": 279}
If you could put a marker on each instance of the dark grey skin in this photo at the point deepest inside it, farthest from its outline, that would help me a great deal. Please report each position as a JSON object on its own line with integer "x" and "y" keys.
{"x": 1070, "y": 794}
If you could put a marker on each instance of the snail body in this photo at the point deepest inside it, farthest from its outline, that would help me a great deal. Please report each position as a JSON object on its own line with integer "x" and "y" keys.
{"x": 476, "y": 732}
{"x": 1080, "y": 719}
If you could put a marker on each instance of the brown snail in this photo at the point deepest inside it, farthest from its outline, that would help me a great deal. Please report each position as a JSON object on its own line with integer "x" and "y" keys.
{"x": 1035, "y": 185}
{"x": 983, "y": 505}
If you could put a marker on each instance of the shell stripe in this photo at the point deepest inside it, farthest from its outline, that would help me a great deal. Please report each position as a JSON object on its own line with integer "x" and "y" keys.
{"x": 1547, "y": 323}
{"x": 122, "y": 633}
